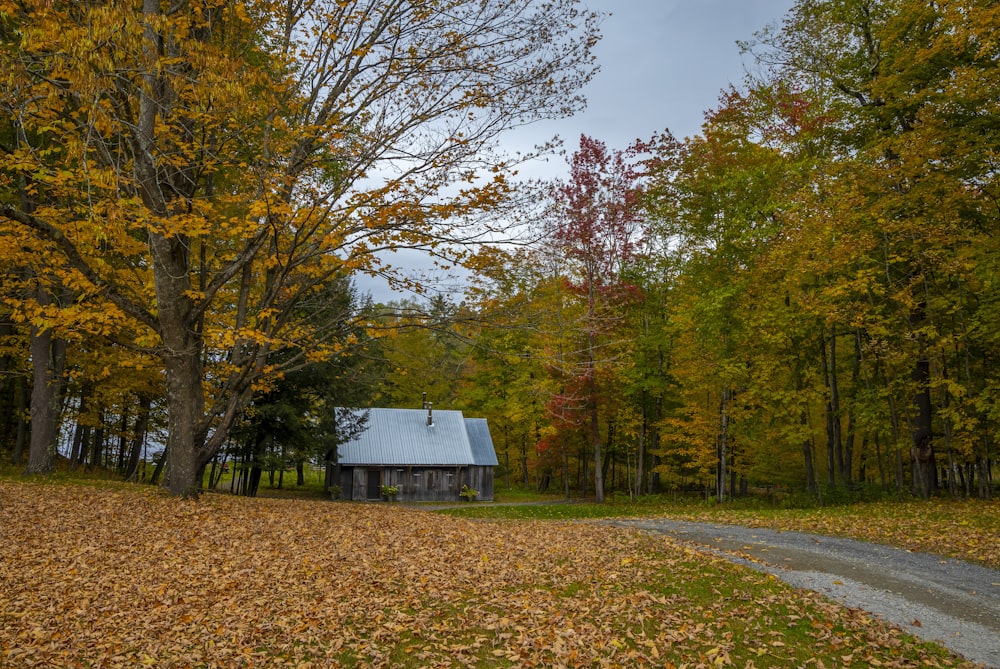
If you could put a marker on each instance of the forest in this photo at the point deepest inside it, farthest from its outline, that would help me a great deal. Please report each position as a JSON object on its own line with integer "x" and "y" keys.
{"x": 800, "y": 300}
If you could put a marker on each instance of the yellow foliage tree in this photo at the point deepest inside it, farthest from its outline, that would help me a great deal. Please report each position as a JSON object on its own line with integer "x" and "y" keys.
{"x": 206, "y": 166}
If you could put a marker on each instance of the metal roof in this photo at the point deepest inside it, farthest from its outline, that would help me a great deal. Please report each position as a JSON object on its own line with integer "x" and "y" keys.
{"x": 402, "y": 437}
{"x": 483, "y": 452}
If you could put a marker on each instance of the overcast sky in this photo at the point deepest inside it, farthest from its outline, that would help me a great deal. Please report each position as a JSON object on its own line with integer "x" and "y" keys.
{"x": 663, "y": 64}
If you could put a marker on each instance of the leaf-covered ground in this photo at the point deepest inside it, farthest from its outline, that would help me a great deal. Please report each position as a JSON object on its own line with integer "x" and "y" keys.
{"x": 100, "y": 577}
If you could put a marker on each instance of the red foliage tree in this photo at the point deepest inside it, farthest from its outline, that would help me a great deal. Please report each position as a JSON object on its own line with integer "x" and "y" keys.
{"x": 599, "y": 233}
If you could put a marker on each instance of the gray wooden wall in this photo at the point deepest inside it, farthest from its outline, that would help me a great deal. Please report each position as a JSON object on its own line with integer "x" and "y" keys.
{"x": 419, "y": 484}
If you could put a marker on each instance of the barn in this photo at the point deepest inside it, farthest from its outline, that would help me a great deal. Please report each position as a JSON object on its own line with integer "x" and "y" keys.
{"x": 429, "y": 455}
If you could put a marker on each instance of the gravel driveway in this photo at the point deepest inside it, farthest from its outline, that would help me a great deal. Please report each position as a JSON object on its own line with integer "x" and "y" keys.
{"x": 954, "y": 603}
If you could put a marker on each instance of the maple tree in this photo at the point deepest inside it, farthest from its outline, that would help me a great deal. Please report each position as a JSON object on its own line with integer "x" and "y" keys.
{"x": 504, "y": 387}
{"x": 196, "y": 171}
{"x": 598, "y": 231}
{"x": 522, "y": 306}
{"x": 715, "y": 203}
{"x": 530, "y": 368}
{"x": 650, "y": 383}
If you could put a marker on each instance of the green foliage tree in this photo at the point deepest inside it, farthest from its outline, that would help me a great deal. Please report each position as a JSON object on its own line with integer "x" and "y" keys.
{"x": 905, "y": 153}
{"x": 301, "y": 417}
{"x": 424, "y": 350}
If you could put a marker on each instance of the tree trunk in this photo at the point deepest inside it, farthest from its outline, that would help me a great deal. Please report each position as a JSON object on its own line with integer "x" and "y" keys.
{"x": 595, "y": 428}
{"x": 863, "y": 461}
{"x": 807, "y": 454}
{"x": 834, "y": 442}
{"x": 723, "y": 448}
{"x": 984, "y": 479}
{"x": 253, "y": 482}
{"x": 923, "y": 451}
{"x": 158, "y": 469}
{"x": 22, "y": 422}
{"x": 237, "y": 475}
{"x": 565, "y": 454}
{"x": 608, "y": 471}
{"x": 281, "y": 468}
{"x": 635, "y": 488}
{"x": 81, "y": 453}
{"x": 847, "y": 465}
{"x": 330, "y": 477}
{"x": 138, "y": 438}
{"x": 200, "y": 476}
{"x": 951, "y": 473}
{"x": 42, "y": 445}
{"x": 81, "y": 432}
{"x": 524, "y": 460}
{"x": 807, "y": 443}
{"x": 122, "y": 442}
{"x": 896, "y": 438}
{"x": 921, "y": 427}
{"x": 171, "y": 279}
{"x": 595, "y": 441}
{"x": 185, "y": 400}
{"x": 9, "y": 377}
{"x": 47, "y": 356}
{"x": 97, "y": 449}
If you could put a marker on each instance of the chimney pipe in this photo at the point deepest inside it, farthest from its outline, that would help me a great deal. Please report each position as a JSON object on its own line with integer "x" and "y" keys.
{"x": 430, "y": 416}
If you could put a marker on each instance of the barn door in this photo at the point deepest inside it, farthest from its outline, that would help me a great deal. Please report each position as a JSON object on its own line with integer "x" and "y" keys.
{"x": 373, "y": 485}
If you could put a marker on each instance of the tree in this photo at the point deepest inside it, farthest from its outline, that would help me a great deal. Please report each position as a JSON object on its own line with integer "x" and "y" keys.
{"x": 301, "y": 417}
{"x": 207, "y": 165}
{"x": 911, "y": 176}
{"x": 517, "y": 376}
{"x": 598, "y": 230}
{"x": 423, "y": 351}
